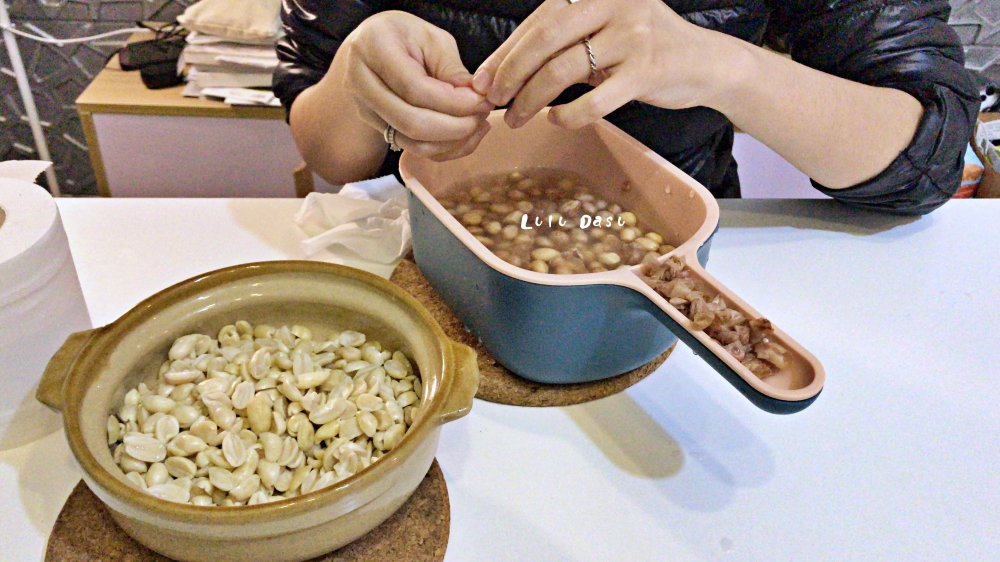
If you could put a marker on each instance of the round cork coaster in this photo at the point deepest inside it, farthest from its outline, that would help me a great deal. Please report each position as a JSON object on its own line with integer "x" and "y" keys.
{"x": 496, "y": 383}
{"x": 418, "y": 531}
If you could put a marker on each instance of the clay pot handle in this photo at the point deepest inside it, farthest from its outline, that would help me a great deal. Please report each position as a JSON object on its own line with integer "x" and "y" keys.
{"x": 464, "y": 366}
{"x": 50, "y": 388}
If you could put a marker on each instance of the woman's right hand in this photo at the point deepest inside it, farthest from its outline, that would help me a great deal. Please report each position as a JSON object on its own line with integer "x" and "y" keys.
{"x": 399, "y": 70}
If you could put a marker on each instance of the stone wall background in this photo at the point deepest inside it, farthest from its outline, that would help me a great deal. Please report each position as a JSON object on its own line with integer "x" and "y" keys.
{"x": 59, "y": 74}
{"x": 978, "y": 25}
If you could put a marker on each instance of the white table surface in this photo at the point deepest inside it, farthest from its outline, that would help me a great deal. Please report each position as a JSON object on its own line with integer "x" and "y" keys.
{"x": 898, "y": 459}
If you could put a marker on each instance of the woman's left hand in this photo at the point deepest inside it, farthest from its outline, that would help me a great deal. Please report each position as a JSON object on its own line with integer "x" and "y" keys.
{"x": 642, "y": 49}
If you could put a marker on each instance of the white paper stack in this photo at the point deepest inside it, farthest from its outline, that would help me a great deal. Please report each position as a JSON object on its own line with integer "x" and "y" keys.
{"x": 241, "y": 96}
{"x": 41, "y": 302}
{"x": 230, "y": 45}
{"x": 214, "y": 62}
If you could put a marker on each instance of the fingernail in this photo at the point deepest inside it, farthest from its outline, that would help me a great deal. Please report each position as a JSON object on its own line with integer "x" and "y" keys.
{"x": 514, "y": 120}
{"x": 508, "y": 118}
{"x": 481, "y": 81}
{"x": 495, "y": 95}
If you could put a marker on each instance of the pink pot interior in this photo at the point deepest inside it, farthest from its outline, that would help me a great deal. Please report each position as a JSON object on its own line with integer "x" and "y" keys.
{"x": 616, "y": 167}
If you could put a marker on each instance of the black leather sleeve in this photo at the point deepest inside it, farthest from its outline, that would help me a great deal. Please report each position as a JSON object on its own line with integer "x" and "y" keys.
{"x": 314, "y": 30}
{"x": 906, "y": 45}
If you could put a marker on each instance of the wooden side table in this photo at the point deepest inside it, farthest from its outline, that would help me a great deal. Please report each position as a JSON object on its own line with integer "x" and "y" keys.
{"x": 157, "y": 143}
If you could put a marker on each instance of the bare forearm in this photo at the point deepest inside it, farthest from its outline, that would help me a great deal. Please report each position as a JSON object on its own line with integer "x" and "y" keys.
{"x": 333, "y": 140}
{"x": 840, "y": 133}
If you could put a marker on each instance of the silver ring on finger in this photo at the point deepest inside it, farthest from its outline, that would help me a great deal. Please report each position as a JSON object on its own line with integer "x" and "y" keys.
{"x": 389, "y": 136}
{"x": 590, "y": 55}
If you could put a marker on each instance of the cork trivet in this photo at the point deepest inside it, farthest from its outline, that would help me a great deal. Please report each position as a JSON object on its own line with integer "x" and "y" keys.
{"x": 496, "y": 383}
{"x": 418, "y": 531}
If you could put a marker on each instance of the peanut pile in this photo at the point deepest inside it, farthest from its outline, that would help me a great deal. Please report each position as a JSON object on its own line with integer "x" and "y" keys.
{"x": 548, "y": 222}
{"x": 748, "y": 340}
{"x": 260, "y": 414}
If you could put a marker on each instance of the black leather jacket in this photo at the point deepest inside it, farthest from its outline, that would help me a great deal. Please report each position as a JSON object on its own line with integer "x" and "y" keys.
{"x": 904, "y": 44}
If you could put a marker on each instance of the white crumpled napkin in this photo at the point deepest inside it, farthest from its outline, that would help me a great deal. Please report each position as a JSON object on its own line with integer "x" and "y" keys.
{"x": 371, "y": 218}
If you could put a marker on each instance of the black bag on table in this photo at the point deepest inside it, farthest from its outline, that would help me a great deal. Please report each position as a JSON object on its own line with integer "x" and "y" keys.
{"x": 156, "y": 59}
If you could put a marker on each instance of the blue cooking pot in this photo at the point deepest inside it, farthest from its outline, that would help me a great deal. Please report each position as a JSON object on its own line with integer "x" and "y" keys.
{"x": 560, "y": 329}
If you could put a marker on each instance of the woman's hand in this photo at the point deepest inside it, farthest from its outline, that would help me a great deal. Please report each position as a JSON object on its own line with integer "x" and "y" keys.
{"x": 393, "y": 69}
{"x": 838, "y": 132}
{"x": 402, "y": 71}
{"x": 643, "y": 51}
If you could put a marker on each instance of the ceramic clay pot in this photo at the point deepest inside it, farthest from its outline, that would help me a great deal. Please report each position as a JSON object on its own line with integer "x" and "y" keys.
{"x": 88, "y": 377}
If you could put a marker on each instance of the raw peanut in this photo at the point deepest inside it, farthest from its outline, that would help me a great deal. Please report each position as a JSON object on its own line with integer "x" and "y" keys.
{"x": 156, "y": 475}
{"x": 234, "y": 450}
{"x": 186, "y": 445}
{"x": 268, "y": 472}
{"x": 259, "y": 413}
{"x": 180, "y": 467}
{"x": 222, "y": 479}
{"x": 313, "y": 379}
{"x": 145, "y": 448}
{"x": 272, "y": 445}
{"x": 367, "y": 423}
{"x": 154, "y": 403}
{"x": 246, "y": 488}
{"x": 166, "y": 428}
{"x": 265, "y": 410}
{"x": 169, "y": 492}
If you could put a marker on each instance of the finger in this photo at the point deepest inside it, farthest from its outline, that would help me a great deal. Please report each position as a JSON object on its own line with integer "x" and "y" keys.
{"x": 425, "y": 148}
{"x": 414, "y": 122}
{"x": 371, "y": 118}
{"x": 422, "y": 148}
{"x": 613, "y": 93}
{"x": 408, "y": 78}
{"x": 445, "y": 63}
{"x": 545, "y": 39}
{"x": 467, "y": 149}
{"x": 483, "y": 78}
{"x": 572, "y": 66}
{"x": 440, "y": 151}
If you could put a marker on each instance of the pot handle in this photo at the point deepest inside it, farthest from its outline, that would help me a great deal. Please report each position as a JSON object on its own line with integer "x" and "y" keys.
{"x": 465, "y": 382}
{"x": 791, "y": 389}
{"x": 50, "y": 388}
